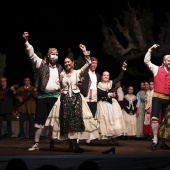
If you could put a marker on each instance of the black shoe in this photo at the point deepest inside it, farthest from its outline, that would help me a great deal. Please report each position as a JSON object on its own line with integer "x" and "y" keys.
{"x": 165, "y": 147}
{"x": 69, "y": 150}
{"x": 79, "y": 150}
{"x": 52, "y": 147}
{"x": 109, "y": 151}
{"x": 154, "y": 145}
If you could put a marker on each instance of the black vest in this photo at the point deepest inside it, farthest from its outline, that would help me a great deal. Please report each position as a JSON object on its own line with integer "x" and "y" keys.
{"x": 43, "y": 75}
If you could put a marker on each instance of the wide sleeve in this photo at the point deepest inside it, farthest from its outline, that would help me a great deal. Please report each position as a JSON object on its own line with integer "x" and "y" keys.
{"x": 86, "y": 66}
{"x": 31, "y": 55}
{"x": 152, "y": 67}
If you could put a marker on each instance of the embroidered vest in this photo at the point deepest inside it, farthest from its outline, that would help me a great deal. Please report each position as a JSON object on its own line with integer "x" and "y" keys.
{"x": 43, "y": 75}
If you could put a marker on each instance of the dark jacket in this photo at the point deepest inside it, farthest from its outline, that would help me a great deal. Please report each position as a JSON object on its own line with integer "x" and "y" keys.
{"x": 86, "y": 83}
{"x": 6, "y": 102}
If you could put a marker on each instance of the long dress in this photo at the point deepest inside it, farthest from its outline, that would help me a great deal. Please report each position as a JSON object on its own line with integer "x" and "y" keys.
{"x": 129, "y": 105}
{"x": 70, "y": 117}
{"x": 147, "y": 116}
{"x": 141, "y": 96}
{"x": 109, "y": 114}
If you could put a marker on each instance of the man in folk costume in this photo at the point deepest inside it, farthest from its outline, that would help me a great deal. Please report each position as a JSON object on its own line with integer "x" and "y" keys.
{"x": 6, "y": 105}
{"x": 48, "y": 87}
{"x": 161, "y": 96}
{"x": 89, "y": 86}
{"x": 26, "y": 107}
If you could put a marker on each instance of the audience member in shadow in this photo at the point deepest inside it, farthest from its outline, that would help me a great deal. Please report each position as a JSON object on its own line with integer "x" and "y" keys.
{"x": 88, "y": 165}
{"x": 48, "y": 167}
{"x": 16, "y": 163}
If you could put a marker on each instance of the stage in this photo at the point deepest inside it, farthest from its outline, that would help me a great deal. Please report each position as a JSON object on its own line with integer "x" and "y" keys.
{"x": 130, "y": 155}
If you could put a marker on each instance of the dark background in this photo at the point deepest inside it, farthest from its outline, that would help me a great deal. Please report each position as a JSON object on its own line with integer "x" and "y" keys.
{"x": 62, "y": 24}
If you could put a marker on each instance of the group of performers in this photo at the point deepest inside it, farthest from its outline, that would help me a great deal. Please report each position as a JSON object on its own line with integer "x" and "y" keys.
{"x": 80, "y": 104}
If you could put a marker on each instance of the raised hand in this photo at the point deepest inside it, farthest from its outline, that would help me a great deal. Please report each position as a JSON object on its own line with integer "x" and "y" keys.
{"x": 154, "y": 46}
{"x": 82, "y": 47}
{"x": 124, "y": 65}
{"x": 25, "y": 35}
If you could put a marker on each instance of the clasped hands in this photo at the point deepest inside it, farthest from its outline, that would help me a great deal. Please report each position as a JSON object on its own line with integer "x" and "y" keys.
{"x": 112, "y": 94}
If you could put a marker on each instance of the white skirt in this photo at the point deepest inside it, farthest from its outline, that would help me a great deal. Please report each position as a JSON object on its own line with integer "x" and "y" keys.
{"x": 110, "y": 119}
{"x": 130, "y": 123}
{"x": 53, "y": 123}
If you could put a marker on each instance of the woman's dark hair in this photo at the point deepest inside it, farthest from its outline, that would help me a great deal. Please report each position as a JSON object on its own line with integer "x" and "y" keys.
{"x": 69, "y": 57}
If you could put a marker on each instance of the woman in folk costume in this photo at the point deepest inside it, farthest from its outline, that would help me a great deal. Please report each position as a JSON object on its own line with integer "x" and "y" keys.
{"x": 70, "y": 117}
{"x": 109, "y": 113}
{"x": 141, "y": 98}
{"x": 129, "y": 112}
{"x": 147, "y": 115}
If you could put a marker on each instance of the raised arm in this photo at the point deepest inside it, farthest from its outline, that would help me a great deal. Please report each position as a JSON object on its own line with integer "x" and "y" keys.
{"x": 117, "y": 79}
{"x": 87, "y": 58}
{"x": 147, "y": 60}
{"x": 83, "y": 48}
{"x": 30, "y": 51}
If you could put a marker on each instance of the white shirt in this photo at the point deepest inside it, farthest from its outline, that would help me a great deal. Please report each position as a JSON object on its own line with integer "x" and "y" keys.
{"x": 53, "y": 82}
{"x": 93, "y": 79}
{"x": 120, "y": 93}
{"x": 152, "y": 67}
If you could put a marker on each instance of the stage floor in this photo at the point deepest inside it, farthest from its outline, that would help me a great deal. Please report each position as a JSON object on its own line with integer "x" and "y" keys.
{"x": 17, "y": 146}
{"x": 131, "y": 154}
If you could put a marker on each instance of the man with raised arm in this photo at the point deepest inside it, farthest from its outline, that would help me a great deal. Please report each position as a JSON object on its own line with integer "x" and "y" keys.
{"x": 161, "y": 96}
{"x": 48, "y": 87}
